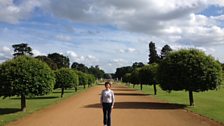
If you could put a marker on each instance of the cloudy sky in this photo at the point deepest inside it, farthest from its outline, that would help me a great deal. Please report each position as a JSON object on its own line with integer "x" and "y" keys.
{"x": 111, "y": 33}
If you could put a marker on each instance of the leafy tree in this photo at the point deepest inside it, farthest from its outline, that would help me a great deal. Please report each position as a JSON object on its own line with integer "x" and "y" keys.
{"x": 25, "y": 76}
{"x": 48, "y": 61}
{"x": 107, "y": 76}
{"x": 120, "y": 72}
{"x": 127, "y": 78}
{"x": 83, "y": 78}
{"x": 96, "y": 71}
{"x": 153, "y": 56}
{"x": 91, "y": 79}
{"x": 135, "y": 78}
{"x": 80, "y": 67}
{"x": 137, "y": 65}
{"x": 66, "y": 78}
{"x": 165, "y": 51}
{"x": 60, "y": 60}
{"x": 22, "y": 49}
{"x": 148, "y": 75}
{"x": 190, "y": 70}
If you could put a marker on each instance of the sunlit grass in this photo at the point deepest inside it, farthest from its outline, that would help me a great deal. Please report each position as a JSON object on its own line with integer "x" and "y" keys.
{"x": 208, "y": 103}
{"x": 10, "y": 107}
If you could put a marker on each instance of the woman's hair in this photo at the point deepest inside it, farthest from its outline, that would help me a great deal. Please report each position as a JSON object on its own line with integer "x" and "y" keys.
{"x": 106, "y": 83}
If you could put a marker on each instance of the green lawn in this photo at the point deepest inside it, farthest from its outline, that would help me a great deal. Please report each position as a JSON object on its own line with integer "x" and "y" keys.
{"x": 9, "y": 107}
{"x": 209, "y": 103}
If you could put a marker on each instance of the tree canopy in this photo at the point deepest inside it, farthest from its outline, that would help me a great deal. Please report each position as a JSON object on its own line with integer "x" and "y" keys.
{"x": 190, "y": 70}
{"x": 22, "y": 49}
{"x": 60, "y": 60}
{"x": 153, "y": 56}
{"x": 66, "y": 78}
{"x": 25, "y": 76}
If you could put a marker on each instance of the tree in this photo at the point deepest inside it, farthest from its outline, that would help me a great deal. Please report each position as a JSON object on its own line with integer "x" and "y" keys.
{"x": 190, "y": 70}
{"x": 96, "y": 71}
{"x": 22, "y": 49}
{"x": 137, "y": 65}
{"x": 91, "y": 79}
{"x": 80, "y": 67}
{"x": 165, "y": 51}
{"x": 153, "y": 56}
{"x": 127, "y": 78}
{"x": 25, "y": 76}
{"x": 148, "y": 75}
{"x": 120, "y": 72}
{"x": 66, "y": 78}
{"x": 83, "y": 79}
{"x": 60, "y": 60}
{"x": 47, "y": 60}
{"x": 134, "y": 78}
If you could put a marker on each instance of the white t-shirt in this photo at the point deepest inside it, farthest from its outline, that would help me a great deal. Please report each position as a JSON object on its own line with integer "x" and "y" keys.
{"x": 107, "y": 96}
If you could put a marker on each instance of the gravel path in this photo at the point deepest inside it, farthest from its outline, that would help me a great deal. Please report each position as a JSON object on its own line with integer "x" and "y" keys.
{"x": 132, "y": 108}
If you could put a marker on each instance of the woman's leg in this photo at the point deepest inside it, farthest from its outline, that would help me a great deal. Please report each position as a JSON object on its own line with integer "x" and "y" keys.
{"x": 104, "y": 113}
{"x": 109, "y": 114}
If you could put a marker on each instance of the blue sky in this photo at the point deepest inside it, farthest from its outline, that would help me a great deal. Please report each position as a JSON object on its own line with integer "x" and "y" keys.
{"x": 111, "y": 33}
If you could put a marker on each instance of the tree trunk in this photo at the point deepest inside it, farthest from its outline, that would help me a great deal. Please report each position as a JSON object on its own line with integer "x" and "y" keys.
{"x": 155, "y": 90}
{"x": 23, "y": 103}
{"x": 76, "y": 88}
{"x": 141, "y": 86}
{"x": 133, "y": 85}
{"x": 84, "y": 86}
{"x": 191, "y": 98}
{"x": 62, "y": 91}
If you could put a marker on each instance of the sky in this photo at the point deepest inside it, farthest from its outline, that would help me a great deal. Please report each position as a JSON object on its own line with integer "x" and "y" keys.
{"x": 111, "y": 33}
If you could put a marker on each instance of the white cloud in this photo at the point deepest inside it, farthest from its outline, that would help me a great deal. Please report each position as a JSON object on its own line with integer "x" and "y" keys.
{"x": 5, "y": 53}
{"x": 65, "y": 38}
{"x": 12, "y": 13}
{"x": 128, "y": 50}
{"x": 37, "y": 52}
{"x": 87, "y": 60}
{"x": 176, "y": 21}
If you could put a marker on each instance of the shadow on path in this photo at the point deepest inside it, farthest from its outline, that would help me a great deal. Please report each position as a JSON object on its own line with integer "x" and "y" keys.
{"x": 122, "y": 89}
{"x": 4, "y": 111}
{"x": 141, "y": 105}
{"x": 43, "y": 97}
{"x": 131, "y": 94}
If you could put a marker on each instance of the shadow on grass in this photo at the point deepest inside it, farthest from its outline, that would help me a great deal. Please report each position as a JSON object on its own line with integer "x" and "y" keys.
{"x": 4, "y": 111}
{"x": 43, "y": 97}
{"x": 141, "y": 105}
{"x": 59, "y": 92}
{"x": 131, "y": 94}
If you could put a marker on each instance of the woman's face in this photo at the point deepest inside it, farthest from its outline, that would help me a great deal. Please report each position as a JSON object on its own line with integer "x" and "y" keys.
{"x": 107, "y": 86}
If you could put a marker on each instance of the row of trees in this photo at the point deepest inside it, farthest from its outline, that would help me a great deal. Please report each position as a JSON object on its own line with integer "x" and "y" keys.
{"x": 26, "y": 76}
{"x": 187, "y": 69}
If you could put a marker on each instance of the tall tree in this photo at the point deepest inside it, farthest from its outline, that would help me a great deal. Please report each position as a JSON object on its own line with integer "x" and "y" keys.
{"x": 153, "y": 56}
{"x": 137, "y": 65}
{"x": 96, "y": 71}
{"x": 120, "y": 72}
{"x": 22, "y": 49}
{"x": 47, "y": 60}
{"x": 25, "y": 76}
{"x": 80, "y": 67}
{"x": 66, "y": 78}
{"x": 165, "y": 51}
{"x": 148, "y": 75}
{"x": 60, "y": 60}
{"x": 191, "y": 70}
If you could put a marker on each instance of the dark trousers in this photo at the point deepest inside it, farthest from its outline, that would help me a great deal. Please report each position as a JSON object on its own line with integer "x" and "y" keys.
{"x": 107, "y": 114}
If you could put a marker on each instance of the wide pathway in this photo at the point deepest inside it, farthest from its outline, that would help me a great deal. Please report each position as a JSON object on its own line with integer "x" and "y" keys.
{"x": 132, "y": 108}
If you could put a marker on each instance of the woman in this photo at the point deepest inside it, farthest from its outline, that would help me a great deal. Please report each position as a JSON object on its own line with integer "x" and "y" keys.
{"x": 107, "y": 101}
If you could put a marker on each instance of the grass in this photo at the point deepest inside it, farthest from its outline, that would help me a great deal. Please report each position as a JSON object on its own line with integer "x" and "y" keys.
{"x": 10, "y": 107}
{"x": 209, "y": 103}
